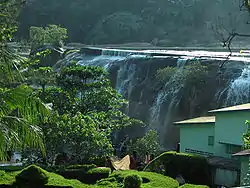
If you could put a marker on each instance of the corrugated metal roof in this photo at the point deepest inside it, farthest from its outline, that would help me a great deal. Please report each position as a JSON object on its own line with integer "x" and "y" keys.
{"x": 233, "y": 108}
{"x": 207, "y": 119}
{"x": 243, "y": 153}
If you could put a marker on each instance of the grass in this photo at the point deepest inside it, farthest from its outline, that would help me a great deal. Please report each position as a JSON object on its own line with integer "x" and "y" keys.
{"x": 54, "y": 179}
{"x": 150, "y": 180}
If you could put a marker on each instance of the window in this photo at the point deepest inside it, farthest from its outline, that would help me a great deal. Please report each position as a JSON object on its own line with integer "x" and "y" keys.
{"x": 211, "y": 140}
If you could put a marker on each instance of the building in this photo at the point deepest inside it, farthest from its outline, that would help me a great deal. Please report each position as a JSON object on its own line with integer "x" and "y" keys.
{"x": 217, "y": 137}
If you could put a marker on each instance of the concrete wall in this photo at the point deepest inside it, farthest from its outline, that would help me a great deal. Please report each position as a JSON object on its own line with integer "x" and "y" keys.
{"x": 229, "y": 128}
{"x": 244, "y": 168}
{"x": 195, "y": 137}
{"x": 225, "y": 177}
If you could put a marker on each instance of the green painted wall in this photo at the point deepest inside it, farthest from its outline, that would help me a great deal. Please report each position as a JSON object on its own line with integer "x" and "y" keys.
{"x": 195, "y": 137}
{"x": 229, "y": 128}
{"x": 244, "y": 168}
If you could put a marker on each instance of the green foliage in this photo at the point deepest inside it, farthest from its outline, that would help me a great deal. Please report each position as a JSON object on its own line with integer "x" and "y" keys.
{"x": 132, "y": 181}
{"x": 117, "y": 21}
{"x": 246, "y": 145}
{"x": 194, "y": 169}
{"x": 192, "y": 74}
{"x": 87, "y": 110}
{"x": 246, "y": 136}
{"x": 53, "y": 180}
{"x": 20, "y": 108}
{"x": 32, "y": 176}
{"x": 51, "y": 34}
{"x": 164, "y": 75}
{"x": 100, "y": 170}
{"x": 9, "y": 11}
{"x": 20, "y": 111}
{"x": 96, "y": 174}
{"x": 116, "y": 28}
{"x": 84, "y": 167}
{"x": 81, "y": 134}
{"x": 85, "y": 175}
{"x": 150, "y": 143}
{"x": 150, "y": 179}
{"x": 41, "y": 77}
{"x": 247, "y": 4}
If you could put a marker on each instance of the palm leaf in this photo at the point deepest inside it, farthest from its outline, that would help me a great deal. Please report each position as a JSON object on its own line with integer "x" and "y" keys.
{"x": 20, "y": 113}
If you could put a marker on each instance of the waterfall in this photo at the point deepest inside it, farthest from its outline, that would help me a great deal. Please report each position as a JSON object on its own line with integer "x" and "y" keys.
{"x": 125, "y": 78}
{"x": 132, "y": 73}
{"x": 167, "y": 101}
{"x": 238, "y": 91}
{"x": 104, "y": 61}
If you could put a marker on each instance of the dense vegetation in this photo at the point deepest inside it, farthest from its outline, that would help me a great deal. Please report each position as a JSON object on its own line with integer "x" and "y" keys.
{"x": 70, "y": 115}
{"x": 161, "y": 21}
{"x": 195, "y": 169}
{"x": 115, "y": 180}
{"x": 21, "y": 111}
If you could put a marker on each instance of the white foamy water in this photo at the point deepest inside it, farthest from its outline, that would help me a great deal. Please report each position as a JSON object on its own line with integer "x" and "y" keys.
{"x": 238, "y": 91}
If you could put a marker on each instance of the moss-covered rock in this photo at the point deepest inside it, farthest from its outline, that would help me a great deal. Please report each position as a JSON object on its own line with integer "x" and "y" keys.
{"x": 132, "y": 181}
{"x": 32, "y": 176}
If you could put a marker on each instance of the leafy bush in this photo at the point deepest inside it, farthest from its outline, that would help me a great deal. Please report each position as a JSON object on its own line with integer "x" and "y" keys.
{"x": 96, "y": 174}
{"x": 132, "y": 181}
{"x": 194, "y": 169}
{"x": 150, "y": 143}
{"x": 32, "y": 176}
{"x": 85, "y": 167}
{"x": 149, "y": 179}
{"x": 163, "y": 75}
{"x": 85, "y": 173}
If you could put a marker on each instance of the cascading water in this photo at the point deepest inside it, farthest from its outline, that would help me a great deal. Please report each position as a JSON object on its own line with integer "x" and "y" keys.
{"x": 125, "y": 78}
{"x": 167, "y": 101}
{"x": 133, "y": 76}
{"x": 238, "y": 92}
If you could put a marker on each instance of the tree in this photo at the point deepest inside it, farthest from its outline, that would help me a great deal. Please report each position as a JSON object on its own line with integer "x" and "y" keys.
{"x": 86, "y": 111}
{"x": 20, "y": 111}
{"x": 226, "y": 34}
{"x": 246, "y": 145}
{"x": 52, "y": 34}
{"x": 150, "y": 143}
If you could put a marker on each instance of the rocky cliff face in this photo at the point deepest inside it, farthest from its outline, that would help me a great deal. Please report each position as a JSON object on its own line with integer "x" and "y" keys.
{"x": 159, "y": 105}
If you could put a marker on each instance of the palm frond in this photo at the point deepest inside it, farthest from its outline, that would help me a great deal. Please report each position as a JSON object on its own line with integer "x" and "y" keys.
{"x": 17, "y": 133}
{"x": 20, "y": 113}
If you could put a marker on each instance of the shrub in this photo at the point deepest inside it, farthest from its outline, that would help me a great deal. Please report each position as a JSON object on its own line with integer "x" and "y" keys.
{"x": 32, "y": 176}
{"x": 85, "y": 173}
{"x": 85, "y": 167}
{"x": 132, "y": 181}
{"x": 107, "y": 182}
{"x": 150, "y": 143}
{"x": 149, "y": 179}
{"x": 194, "y": 169}
{"x": 96, "y": 174}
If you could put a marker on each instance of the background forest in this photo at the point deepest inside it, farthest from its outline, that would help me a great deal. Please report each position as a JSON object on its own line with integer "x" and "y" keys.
{"x": 161, "y": 22}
